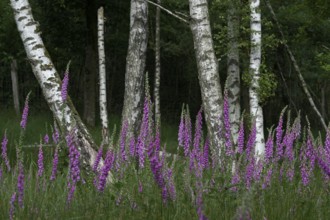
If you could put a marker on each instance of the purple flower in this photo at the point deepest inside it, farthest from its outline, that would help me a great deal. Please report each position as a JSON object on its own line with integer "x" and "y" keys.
{"x": 123, "y": 141}
{"x": 12, "y": 206}
{"x": 288, "y": 142}
{"x": 304, "y": 174}
{"x": 55, "y": 163}
{"x": 132, "y": 147}
{"x": 279, "y": 134}
{"x": 56, "y": 136}
{"x": 172, "y": 191}
{"x": 310, "y": 151}
{"x": 235, "y": 179}
{"x": 226, "y": 118}
{"x": 187, "y": 134}
{"x": 4, "y": 151}
{"x": 140, "y": 188}
{"x": 20, "y": 184}
{"x": 269, "y": 148}
{"x": 206, "y": 153}
{"x": 72, "y": 189}
{"x": 198, "y": 130}
{"x": 181, "y": 134}
{"x": 97, "y": 159}
{"x": 40, "y": 161}
{"x": 249, "y": 172}
{"x": 267, "y": 179}
{"x": 65, "y": 83}
{"x": 325, "y": 168}
{"x": 290, "y": 174}
{"x": 46, "y": 139}
{"x": 25, "y": 112}
{"x": 240, "y": 140}
{"x": 108, "y": 163}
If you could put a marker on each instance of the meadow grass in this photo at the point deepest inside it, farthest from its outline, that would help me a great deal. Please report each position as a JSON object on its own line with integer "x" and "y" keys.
{"x": 124, "y": 199}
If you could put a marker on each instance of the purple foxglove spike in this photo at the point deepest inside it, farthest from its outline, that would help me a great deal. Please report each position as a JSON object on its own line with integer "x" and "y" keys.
{"x": 268, "y": 178}
{"x": 20, "y": 184}
{"x": 12, "y": 206}
{"x": 206, "y": 153}
{"x": 46, "y": 139}
{"x": 269, "y": 148}
{"x": 198, "y": 131}
{"x": 4, "y": 151}
{"x": 25, "y": 113}
{"x": 132, "y": 147}
{"x": 240, "y": 140}
{"x": 108, "y": 163}
{"x": 55, "y": 164}
{"x": 123, "y": 134}
{"x": 40, "y": 161}
{"x": 65, "y": 84}
{"x": 249, "y": 172}
{"x": 98, "y": 159}
{"x": 187, "y": 139}
{"x": 235, "y": 179}
{"x": 181, "y": 134}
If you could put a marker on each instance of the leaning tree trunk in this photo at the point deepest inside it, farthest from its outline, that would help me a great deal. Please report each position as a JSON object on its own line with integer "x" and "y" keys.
{"x": 207, "y": 66}
{"x": 157, "y": 70}
{"x": 14, "y": 82}
{"x": 233, "y": 72}
{"x": 255, "y": 60}
{"x": 102, "y": 73}
{"x": 135, "y": 65}
{"x": 50, "y": 82}
{"x": 90, "y": 69}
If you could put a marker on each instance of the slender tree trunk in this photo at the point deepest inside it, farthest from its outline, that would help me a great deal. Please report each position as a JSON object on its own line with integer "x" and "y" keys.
{"x": 207, "y": 66}
{"x": 157, "y": 70}
{"x": 102, "y": 73}
{"x": 14, "y": 82}
{"x": 90, "y": 72}
{"x": 255, "y": 60}
{"x": 135, "y": 65}
{"x": 233, "y": 72}
{"x": 50, "y": 83}
{"x": 296, "y": 67}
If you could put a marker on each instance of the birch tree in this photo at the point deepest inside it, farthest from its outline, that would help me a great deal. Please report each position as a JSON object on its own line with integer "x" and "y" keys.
{"x": 157, "y": 70}
{"x": 50, "y": 82}
{"x": 207, "y": 66}
{"x": 233, "y": 71}
{"x": 102, "y": 73}
{"x": 14, "y": 82}
{"x": 135, "y": 65}
{"x": 255, "y": 61}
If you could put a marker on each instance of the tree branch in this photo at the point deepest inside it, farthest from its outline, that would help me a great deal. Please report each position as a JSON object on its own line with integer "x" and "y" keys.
{"x": 168, "y": 11}
{"x": 295, "y": 64}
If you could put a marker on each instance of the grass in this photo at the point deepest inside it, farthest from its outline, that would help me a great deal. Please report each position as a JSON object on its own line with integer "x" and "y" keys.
{"x": 122, "y": 200}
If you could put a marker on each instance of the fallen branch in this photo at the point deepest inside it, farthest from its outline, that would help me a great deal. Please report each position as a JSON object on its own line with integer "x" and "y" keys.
{"x": 295, "y": 64}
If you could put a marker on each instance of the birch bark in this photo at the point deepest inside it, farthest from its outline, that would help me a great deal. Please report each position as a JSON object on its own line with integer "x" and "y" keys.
{"x": 50, "y": 82}
{"x": 14, "y": 82}
{"x": 135, "y": 65}
{"x": 233, "y": 71}
{"x": 207, "y": 66}
{"x": 255, "y": 61}
{"x": 102, "y": 73}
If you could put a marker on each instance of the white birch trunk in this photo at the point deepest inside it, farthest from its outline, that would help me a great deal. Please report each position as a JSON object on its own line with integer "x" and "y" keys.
{"x": 207, "y": 66}
{"x": 135, "y": 65}
{"x": 102, "y": 72}
{"x": 50, "y": 82}
{"x": 233, "y": 72}
{"x": 255, "y": 61}
{"x": 14, "y": 82}
{"x": 157, "y": 64}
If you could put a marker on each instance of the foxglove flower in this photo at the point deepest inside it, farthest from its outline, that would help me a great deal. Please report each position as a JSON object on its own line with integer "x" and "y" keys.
{"x": 40, "y": 161}
{"x": 268, "y": 178}
{"x": 46, "y": 139}
{"x": 132, "y": 147}
{"x": 269, "y": 148}
{"x": 198, "y": 131}
{"x": 206, "y": 154}
{"x": 279, "y": 134}
{"x": 181, "y": 130}
{"x": 123, "y": 135}
{"x": 251, "y": 141}
{"x": 249, "y": 172}
{"x": 20, "y": 184}
{"x": 235, "y": 179}
{"x": 4, "y": 151}
{"x": 56, "y": 136}
{"x": 108, "y": 163}
{"x": 12, "y": 206}
{"x": 25, "y": 112}
{"x": 64, "y": 88}
{"x": 187, "y": 137}
{"x": 55, "y": 163}
{"x": 98, "y": 158}
{"x": 240, "y": 140}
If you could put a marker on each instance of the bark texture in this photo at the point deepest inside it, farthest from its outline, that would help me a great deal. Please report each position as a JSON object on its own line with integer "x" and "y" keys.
{"x": 207, "y": 66}
{"x": 90, "y": 70}
{"x": 296, "y": 67}
{"x": 14, "y": 82}
{"x": 255, "y": 61}
{"x": 157, "y": 63}
{"x": 50, "y": 83}
{"x": 135, "y": 65}
{"x": 102, "y": 73}
{"x": 233, "y": 72}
